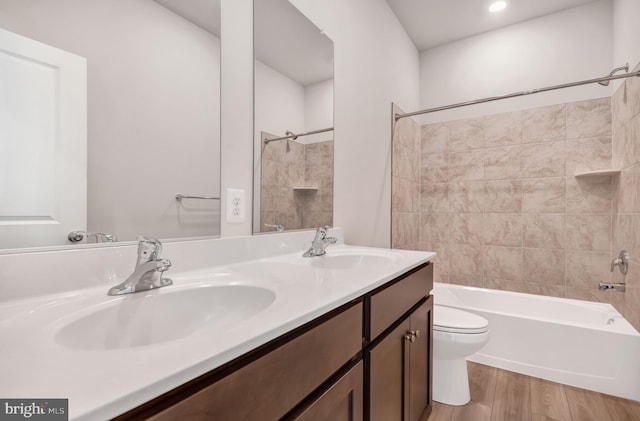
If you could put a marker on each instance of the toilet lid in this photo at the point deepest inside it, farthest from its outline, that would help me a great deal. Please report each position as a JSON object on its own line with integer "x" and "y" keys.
{"x": 447, "y": 319}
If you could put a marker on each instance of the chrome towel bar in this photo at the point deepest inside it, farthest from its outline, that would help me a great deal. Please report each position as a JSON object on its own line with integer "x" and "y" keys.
{"x": 180, "y": 196}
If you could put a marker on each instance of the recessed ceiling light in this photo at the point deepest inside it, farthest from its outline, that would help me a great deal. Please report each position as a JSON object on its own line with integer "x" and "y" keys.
{"x": 497, "y": 6}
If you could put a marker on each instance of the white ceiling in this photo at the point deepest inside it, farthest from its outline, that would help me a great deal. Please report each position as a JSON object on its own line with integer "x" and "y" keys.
{"x": 430, "y": 23}
{"x": 285, "y": 39}
{"x": 204, "y": 13}
{"x": 289, "y": 43}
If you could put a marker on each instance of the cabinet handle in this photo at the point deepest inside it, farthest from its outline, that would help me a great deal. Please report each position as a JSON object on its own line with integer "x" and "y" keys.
{"x": 416, "y": 333}
{"x": 410, "y": 336}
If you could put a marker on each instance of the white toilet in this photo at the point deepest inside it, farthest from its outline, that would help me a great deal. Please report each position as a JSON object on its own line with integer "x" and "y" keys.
{"x": 456, "y": 335}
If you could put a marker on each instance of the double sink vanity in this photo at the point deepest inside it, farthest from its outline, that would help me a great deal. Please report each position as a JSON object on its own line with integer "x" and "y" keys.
{"x": 249, "y": 329}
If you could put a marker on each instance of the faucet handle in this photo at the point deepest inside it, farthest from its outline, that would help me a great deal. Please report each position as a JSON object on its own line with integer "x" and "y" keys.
{"x": 148, "y": 249}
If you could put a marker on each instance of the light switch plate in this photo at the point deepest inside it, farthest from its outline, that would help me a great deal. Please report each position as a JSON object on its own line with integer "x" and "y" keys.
{"x": 236, "y": 206}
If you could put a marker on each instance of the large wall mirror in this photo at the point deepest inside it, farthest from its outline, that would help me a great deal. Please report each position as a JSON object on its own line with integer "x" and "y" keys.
{"x": 293, "y": 139}
{"x": 108, "y": 111}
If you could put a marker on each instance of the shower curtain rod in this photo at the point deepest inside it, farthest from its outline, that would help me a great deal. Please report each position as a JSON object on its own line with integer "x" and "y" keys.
{"x": 522, "y": 93}
{"x": 294, "y": 136}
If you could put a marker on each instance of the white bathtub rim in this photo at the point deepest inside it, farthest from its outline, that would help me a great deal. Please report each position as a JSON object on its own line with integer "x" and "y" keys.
{"x": 621, "y": 325}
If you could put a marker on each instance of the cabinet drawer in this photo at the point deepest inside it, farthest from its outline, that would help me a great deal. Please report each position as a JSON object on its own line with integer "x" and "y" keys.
{"x": 269, "y": 387}
{"x": 342, "y": 402}
{"x": 391, "y": 303}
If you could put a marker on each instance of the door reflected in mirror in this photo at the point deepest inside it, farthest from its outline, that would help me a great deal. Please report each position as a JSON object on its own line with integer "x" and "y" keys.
{"x": 112, "y": 109}
{"x": 293, "y": 145}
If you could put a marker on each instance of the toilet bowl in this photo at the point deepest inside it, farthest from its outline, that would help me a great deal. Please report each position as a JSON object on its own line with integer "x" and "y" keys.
{"x": 456, "y": 335}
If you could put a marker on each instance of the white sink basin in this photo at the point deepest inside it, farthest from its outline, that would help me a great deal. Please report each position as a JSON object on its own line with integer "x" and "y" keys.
{"x": 355, "y": 259}
{"x": 162, "y": 315}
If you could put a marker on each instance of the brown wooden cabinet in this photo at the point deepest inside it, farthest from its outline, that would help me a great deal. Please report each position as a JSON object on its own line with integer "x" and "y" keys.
{"x": 369, "y": 359}
{"x": 342, "y": 402}
{"x": 400, "y": 357}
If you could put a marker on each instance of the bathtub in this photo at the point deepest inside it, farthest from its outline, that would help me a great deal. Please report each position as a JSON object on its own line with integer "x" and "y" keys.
{"x": 578, "y": 343}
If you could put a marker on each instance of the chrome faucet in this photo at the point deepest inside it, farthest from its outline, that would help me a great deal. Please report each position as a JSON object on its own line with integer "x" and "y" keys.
{"x": 275, "y": 227}
{"x": 622, "y": 262}
{"x": 603, "y": 286}
{"x": 101, "y": 237}
{"x": 320, "y": 243}
{"x": 149, "y": 270}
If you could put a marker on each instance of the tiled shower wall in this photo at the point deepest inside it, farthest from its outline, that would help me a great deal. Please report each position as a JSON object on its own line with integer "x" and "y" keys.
{"x": 499, "y": 202}
{"x": 296, "y": 184}
{"x": 626, "y": 204}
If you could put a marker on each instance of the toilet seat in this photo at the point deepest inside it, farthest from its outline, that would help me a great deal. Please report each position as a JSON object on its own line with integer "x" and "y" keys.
{"x": 453, "y": 320}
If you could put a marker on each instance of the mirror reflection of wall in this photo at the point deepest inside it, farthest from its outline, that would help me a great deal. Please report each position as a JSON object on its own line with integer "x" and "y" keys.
{"x": 293, "y": 177}
{"x": 153, "y": 112}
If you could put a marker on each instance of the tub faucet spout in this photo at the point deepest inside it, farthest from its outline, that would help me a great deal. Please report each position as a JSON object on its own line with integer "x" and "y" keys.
{"x": 603, "y": 286}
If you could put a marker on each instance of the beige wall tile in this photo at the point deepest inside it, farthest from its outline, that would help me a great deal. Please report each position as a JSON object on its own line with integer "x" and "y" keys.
{"x": 586, "y": 268}
{"x": 466, "y": 228}
{"x": 466, "y": 166}
{"x": 543, "y": 266}
{"x": 585, "y": 294}
{"x": 632, "y": 142}
{"x": 632, "y": 311}
{"x": 624, "y": 234}
{"x": 402, "y": 197}
{"x": 403, "y": 229}
{"x": 267, "y": 202}
{"x": 589, "y": 231}
{"x": 543, "y": 160}
{"x": 502, "y": 229}
{"x": 435, "y": 227}
{"x": 435, "y": 138}
{"x": 318, "y": 153}
{"x": 466, "y": 134}
{"x": 543, "y": 195}
{"x": 543, "y": 289}
{"x": 434, "y": 197}
{"x": 434, "y": 168}
{"x": 467, "y": 196}
{"x": 468, "y": 280}
{"x": 442, "y": 260}
{"x": 273, "y": 174}
{"x": 627, "y": 191}
{"x": 503, "y": 263}
{"x": 591, "y": 194}
{"x": 326, "y": 198}
{"x": 274, "y": 150}
{"x": 544, "y": 124}
{"x": 503, "y": 129}
{"x": 406, "y": 131}
{"x": 322, "y": 177}
{"x": 503, "y": 196}
{"x": 589, "y": 118}
{"x": 620, "y": 156}
{"x": 293, "y": 151}
{"x": 295, "y": 174}
{"x": 503, "y": 285}
{"x": 502, "y": 163}
{"x": 406, "y": 163}
{"x": 588, "y": 155}
{"x": 468, "y": 260}
{"x": 622, "y": 112}
{"x": 544, "y": 230}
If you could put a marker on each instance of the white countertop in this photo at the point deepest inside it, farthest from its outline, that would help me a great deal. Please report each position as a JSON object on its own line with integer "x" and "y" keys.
{"x": 101, "y": 384}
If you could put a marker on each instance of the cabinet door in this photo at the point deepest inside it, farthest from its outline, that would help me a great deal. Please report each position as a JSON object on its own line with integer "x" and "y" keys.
{"x": 342, "y": 402}
{"x": 420, "y": 364}
{"x": 401, "y": 367}
{"x": 387, "y": 375}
